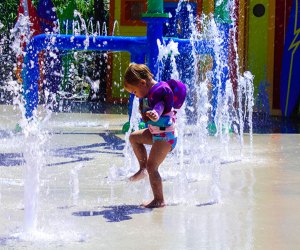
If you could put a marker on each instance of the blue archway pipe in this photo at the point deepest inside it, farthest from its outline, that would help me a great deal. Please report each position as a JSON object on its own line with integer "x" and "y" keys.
{"x": 136, "y": 46}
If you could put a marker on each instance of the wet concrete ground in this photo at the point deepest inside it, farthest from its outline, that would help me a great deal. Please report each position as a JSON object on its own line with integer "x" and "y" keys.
{"x": 85, "y": 201}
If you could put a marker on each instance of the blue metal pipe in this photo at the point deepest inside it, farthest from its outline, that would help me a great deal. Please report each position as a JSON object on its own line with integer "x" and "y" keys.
{"x": 139, "y": 48}
{"x": 99, "y": 43}
{"x": 136, "y": 46}
{"x": 137, "y": 58}
{"x": 201, "y": 46}
{"x": 154, "y": 33}
{"x": 30, "y": 76}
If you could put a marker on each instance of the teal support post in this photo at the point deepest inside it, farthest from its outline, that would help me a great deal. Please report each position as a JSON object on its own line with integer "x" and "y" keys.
{"x": 155, "y": 6}
{"x": 222, "y": 13}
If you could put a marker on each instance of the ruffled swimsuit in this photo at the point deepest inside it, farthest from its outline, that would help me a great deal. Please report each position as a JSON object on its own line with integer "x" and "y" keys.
{"x": 163, "y": 97}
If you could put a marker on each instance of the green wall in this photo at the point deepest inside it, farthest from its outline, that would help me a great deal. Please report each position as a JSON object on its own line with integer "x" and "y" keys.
{"x": 258, "y": 42}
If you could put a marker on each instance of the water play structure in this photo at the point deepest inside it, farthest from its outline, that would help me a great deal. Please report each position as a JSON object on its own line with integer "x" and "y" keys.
{"x": 66, "y": 174}
{"x": 141, "y": 49}
{"x": 210, "y": 99}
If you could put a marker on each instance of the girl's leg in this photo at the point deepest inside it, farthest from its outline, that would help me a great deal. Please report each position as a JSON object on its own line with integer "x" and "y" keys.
{"x": 137, "y": 140}
{"x": 158, "y": 153}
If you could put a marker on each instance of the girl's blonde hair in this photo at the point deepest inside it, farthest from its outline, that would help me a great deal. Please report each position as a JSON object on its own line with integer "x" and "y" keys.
{"x": 136, "y": 72}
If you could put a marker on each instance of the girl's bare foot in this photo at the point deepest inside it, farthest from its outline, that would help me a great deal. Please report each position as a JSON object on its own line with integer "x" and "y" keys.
{"x": 154, "y": 204}
{"x": 141, "y": 174}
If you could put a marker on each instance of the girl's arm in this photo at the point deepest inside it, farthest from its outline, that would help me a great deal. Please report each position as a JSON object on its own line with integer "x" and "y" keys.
{"x": 156, "y": 112}
{"x": 162, "y": 99}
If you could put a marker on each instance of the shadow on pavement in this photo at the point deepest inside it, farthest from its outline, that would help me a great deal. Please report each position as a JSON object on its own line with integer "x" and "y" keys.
{"x": 115, "y": 213}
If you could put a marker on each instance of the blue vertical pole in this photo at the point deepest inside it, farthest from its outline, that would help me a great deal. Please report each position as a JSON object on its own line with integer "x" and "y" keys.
{"x": 137, "y": 58}
{"x": 30, "y": 76}
{"x": 154, "y": 33}
{"x": 155, "y": 17}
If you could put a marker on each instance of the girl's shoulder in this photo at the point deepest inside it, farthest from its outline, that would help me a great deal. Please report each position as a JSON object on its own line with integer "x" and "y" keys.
{"x": 159, "y": 91}
{"x": 160, "y": 86}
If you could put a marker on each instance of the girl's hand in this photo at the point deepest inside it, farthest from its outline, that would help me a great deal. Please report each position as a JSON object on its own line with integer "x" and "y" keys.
{"x": 152, "y": 114}
{"x": 145, "y": 117}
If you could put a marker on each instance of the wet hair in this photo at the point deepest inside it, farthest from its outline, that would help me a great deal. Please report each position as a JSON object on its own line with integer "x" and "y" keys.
{"x": 136, "y": 72}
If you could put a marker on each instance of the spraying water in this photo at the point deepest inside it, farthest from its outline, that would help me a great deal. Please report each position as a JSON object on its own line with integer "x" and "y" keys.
{"x": 74, "y": 184}
{"x": 198, "y": 156}
{"x": 214, "y": 116}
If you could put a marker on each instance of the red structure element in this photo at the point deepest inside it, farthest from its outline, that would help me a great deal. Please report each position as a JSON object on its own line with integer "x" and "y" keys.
{"x": 34, "y": 28}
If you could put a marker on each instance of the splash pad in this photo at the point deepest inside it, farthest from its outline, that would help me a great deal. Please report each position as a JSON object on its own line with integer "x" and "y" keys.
{"x": 84, "y": 203}
{"x": 220, "y": 110}
{"x": 84, "y": 200}
{"x": 141, "y": 49}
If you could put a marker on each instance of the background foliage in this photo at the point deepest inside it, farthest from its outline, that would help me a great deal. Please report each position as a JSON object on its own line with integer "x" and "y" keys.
{"x": 96, "y": 9}
{"x": 9, "y": 10}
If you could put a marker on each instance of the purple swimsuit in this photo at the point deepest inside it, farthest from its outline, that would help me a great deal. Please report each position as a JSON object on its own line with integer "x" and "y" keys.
{"x": 163, "y": 97}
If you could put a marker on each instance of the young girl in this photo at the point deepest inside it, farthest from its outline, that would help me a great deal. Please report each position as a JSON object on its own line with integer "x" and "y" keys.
{"x": 157, "y": 100}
